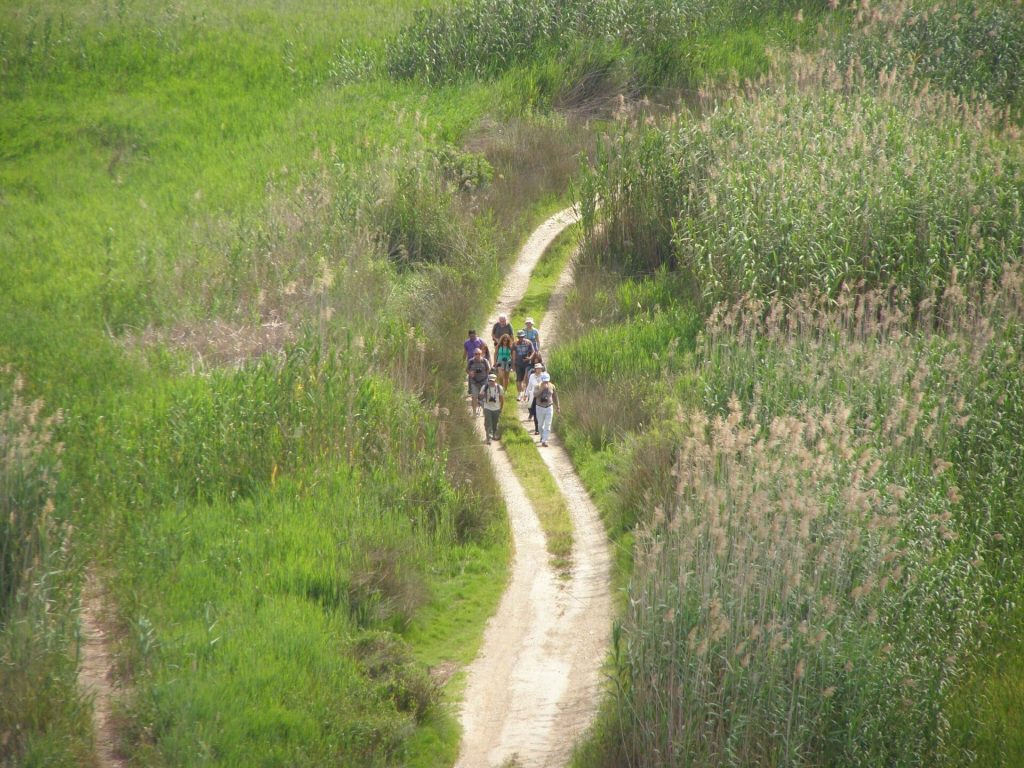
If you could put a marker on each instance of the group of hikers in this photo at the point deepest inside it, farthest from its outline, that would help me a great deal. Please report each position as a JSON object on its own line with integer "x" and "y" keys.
{"x": 488, "y": 373}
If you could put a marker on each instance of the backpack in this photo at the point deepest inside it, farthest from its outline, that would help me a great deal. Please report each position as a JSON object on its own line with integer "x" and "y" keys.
{"x": 545, "y": 396}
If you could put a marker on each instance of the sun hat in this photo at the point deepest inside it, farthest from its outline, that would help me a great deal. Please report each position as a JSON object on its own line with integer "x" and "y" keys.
{"x": 492, "y": 377}
{"x": 545, "y": 377}
{"x": 520, "y": 334}
{"x": 538, "y": 365}
{"x": 529, "y": 320}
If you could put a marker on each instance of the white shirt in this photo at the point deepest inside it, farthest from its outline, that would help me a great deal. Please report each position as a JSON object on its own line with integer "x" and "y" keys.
{"x": 531, "y": 384}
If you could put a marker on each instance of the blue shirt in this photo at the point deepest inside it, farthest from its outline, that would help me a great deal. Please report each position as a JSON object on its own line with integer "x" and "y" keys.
{"x": 533, "y": 335}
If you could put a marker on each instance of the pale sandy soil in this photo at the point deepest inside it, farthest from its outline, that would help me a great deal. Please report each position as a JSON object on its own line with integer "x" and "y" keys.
{"x": 534, "y": 688}
{"x": 95, "y": 674}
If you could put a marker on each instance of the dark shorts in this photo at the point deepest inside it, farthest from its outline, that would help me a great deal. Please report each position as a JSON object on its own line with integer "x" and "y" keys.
{"x": 521, "y": 373}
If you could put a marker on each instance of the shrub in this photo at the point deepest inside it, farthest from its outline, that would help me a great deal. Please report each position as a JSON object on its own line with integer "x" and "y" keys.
{"x": 387, "y": 660}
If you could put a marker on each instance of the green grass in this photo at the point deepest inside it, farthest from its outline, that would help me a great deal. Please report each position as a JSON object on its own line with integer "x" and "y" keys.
{"x": 284, "y": 569}
{"x": 540, "y": 486}
{"x": 986, "y": 709}
{"x": 255, "y": 599}
{"x": 170, "y": 173}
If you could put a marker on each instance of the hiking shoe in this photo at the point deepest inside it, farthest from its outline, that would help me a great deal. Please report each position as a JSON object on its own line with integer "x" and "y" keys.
{"x": 543, "y": 445}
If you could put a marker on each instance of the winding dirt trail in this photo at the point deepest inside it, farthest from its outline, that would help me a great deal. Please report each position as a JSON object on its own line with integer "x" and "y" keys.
{"x": 534, "y": 688}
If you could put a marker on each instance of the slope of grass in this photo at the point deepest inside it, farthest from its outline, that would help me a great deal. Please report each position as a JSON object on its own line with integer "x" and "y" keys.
{"x": 195, "y": 172}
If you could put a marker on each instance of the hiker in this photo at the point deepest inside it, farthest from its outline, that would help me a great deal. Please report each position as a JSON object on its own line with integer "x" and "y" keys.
{"x": 521, "y": 354}
{"x": 477, "y": 370}
{"x": 533, "y": 334}
{"x": 492, "y": 399}
{"x": 470, "y": 345}
{"x": 503, "y": 359}
{"x": 501, "y": 328}
{"x": 546, "y": 400}
{"x": 531, "y": 387}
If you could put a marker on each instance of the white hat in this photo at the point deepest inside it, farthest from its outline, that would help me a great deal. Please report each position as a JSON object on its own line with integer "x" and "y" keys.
{"x": 492, "y": 376}
{"x": 538, "y": 365}
{"x": 529, "y": 320}
{"x": 545, "y": 377}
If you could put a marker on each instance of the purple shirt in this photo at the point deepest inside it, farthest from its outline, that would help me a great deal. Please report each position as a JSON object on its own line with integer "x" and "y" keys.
{"x": 472, "y": 345}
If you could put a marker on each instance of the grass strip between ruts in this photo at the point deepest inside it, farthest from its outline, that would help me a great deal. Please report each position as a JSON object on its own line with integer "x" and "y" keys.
{"x": 539, "y": 485}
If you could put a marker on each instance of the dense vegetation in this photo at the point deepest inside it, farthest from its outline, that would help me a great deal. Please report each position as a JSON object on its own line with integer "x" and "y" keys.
{"x": 225, "y": 244}
{"x": 816, "y": 284}
{"x": 240, "y": 244}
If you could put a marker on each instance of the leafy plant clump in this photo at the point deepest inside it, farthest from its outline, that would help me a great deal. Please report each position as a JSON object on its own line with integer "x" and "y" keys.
{"x": 36, "y": 632}
{"x": 974, "y": 49}
{"x": 827, "y": 182}
{"x": 482, "y": 38}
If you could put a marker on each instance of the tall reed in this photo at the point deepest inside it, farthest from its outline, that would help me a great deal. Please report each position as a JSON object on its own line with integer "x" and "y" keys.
{"x": 816, "y": 583}
{"x": 42, "y": 716}
{"x": 817, "y": 177}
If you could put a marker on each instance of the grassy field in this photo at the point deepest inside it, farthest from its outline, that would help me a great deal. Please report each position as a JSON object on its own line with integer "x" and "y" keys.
{"x": 184, "y": 191}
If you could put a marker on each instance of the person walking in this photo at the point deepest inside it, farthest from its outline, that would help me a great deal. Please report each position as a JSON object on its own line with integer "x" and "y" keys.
{"x": 531, "y": 387}
{"x": 533, "y": 334}
{"x": 471, "y": 345}
{"x": 546, "y": 400}
{"x": 492, "y": 399}
{"x": 521, "y": 354}
{"x": 477, "y": 370}
{"x": 501, "y": 328}
{"x": 503, "y": 359}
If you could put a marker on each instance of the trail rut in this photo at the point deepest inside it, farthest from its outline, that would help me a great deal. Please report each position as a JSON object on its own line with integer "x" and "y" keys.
{"x": 95, "y": 673}
{"x": 534, "y": 688}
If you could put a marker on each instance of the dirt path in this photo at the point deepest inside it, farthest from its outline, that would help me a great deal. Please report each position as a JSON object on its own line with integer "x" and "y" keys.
{"x": 534, "y": 688}
{"x": 94, "y": 673}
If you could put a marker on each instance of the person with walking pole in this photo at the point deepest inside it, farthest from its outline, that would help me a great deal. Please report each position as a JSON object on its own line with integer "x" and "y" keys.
{"x": 492, "y": 398}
